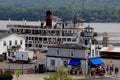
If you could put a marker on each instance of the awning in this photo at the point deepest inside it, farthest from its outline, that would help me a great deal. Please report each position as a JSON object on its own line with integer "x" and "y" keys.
{"x": 74, "y": 62}
{"x": 96, "y": 61}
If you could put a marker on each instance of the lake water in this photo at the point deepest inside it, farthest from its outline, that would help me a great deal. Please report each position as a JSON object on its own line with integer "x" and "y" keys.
{"x": 105, "y": 27}
{"x": 98, "y": 27}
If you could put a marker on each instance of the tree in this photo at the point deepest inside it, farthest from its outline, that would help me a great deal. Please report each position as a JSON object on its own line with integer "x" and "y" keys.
{"x": 61, "y": 74}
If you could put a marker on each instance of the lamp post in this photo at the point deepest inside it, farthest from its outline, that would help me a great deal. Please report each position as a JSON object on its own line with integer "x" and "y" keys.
{"x": 22, "y": 63}
{"x": 9, "y": 67}
{"x": 87, "y": 58}
{"x": 88, "y": 72}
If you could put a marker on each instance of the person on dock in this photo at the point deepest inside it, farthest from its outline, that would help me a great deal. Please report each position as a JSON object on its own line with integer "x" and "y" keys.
{"x": 116, "y": 71}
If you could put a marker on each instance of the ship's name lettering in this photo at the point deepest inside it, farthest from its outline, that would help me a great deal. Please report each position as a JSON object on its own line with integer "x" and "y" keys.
{"x": 53, "y": 42}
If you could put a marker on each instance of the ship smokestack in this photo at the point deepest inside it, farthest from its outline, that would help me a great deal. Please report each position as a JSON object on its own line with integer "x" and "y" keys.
{"x": 49, "y": 18}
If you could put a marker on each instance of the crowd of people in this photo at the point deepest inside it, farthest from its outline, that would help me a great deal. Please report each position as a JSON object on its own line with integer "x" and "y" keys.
{"x": 112, "y": 70}
{"x": 102, "y": 70}
{"x": 97, "y": 71}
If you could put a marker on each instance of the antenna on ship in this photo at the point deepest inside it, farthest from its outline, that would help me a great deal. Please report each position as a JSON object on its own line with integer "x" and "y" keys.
{"x": 73, "y": 3}
{"x": 73, "y": 13}
{"x": 81, "y": 16}
{"x": 9, "y": 19}
{"x": 82, "y": 9}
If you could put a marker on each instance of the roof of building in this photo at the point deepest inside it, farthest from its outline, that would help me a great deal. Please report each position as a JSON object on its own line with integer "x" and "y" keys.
{"x": 88, "y": 27}
{"x": 110, "y": 49}
{"x": 69, "y": 46}
{"x": 4, "y": 34}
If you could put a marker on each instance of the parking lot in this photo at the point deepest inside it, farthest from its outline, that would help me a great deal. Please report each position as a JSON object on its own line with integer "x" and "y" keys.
{"x": 18, "y": 66}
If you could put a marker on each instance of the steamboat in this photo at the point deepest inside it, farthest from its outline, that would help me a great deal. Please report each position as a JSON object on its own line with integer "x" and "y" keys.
{"x": 51, "y": 32}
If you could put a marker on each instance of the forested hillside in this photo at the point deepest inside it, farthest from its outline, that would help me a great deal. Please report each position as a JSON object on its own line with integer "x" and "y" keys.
{"x": 58, "y": 3}
{"x": 93, "y": 10}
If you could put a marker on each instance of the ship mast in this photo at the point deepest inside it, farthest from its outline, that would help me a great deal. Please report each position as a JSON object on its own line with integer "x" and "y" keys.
{"x": 80, "y": 17}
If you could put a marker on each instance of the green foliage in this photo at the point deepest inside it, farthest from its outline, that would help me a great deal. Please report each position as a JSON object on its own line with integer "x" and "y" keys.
{"x": 34, "y": 10}
{"x": 61, "y": 74}
{"x": 34, "y": 14}
{"x": 6, "y": 77}
{"x": 59, "y": 3}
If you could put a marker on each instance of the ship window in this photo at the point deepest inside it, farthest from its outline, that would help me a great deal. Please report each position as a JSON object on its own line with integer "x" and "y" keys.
{"x": 66, "y": 24}
{"x": 52, "y": 62}
{"x": 93, "y": 42}
{"x": 12, "y": 54}
{"x": 58, "y": 32}
{"x": 9, "y": 53}
{"x": 29, "y": 38}
{"x": 17, "y": 30}
{"x": 86, "y": 42}
{"x": 15, "y": 42}
{"x": 64, "y": 39}
{"x": 45, "y": 45}
{"x": 4, "y": 43}
{"x": 74, "y": 40}
{"x": 72, "y": 53}
{"x": 45, "y": 39}
{"x": 68, "y": 39}
{"x": 65, "y": 63}
{"x": 58, "y": 39}
{"x": 35, "y": 31}
{"x": 40, "y": 45}
{"x": 36, "y": 45}
{"x": 12, "y": 30}
{"x": 40, "y": 39}
{"x": 92, "y": 52}
{"x": 49, "y": 39}
{"x": 32, "y": 38}
{"x": 96, "y": 52}
{"x": 26, "y": 45}
{"x": 10, "y": 43}
{"x": 30, "y": 45}
{"x": 20, "y": 41}
{"x": 58, "y": 51}
{"x": 36, "y": 38}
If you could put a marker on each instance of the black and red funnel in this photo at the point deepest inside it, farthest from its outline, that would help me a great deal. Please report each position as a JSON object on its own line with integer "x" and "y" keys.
{"x": 49, "y": 18}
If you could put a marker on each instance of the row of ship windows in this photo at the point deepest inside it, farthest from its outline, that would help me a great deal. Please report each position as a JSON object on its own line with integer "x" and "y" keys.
{"x": 50, "y": 39}
{"x": 37, "y": 31}
{"x": 11, "y": 43}
{"x": 31, "y": 45}
{"x": 44, "y": 32}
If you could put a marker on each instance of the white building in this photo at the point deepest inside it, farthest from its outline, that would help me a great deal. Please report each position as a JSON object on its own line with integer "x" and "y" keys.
{"x": 77, "y": 55}
{"x": 9, "y": 43}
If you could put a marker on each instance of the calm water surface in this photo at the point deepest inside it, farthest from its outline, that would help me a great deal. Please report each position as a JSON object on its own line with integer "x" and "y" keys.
{"x": 98, "y": 27}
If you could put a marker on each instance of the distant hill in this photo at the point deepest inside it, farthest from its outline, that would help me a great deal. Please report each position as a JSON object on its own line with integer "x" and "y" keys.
{"x": 59, "y": 3}
{"x": 93, "y": 10}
